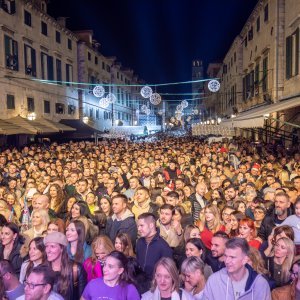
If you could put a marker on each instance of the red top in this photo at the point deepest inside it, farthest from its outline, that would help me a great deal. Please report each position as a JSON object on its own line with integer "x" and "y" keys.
{"x": 254, "y": 243}
{"x": 206, "y": 236}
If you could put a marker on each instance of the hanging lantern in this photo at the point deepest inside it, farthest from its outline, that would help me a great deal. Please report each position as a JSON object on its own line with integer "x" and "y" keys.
{"x": 184, "y": 104}
{"x": 155, "y": 98}
{"x": 98, "y": 91}
{"x": 213, "y": 85}
{"x": 146, "y": 91}
{"x": 104, "y": 103}
{"x": 111, "y": 98}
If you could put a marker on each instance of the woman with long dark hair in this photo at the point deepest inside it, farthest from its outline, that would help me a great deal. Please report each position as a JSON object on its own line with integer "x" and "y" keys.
{"x": 37, "y": 256}
{"x": 116, "y": 282}
{"x": 78, "y": 249}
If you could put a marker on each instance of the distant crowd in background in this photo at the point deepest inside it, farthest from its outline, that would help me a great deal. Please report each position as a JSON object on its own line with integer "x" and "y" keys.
{"x": 173, "y": 218}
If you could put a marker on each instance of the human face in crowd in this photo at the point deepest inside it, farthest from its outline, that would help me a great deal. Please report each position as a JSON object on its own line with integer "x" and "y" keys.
{"x": 7, "y": 236}
{"x": 52, "y": 228}
{"x": 226, "y": 215}
{"x": 110, "y": 184}
{"x": 35, "y": 255}
{"x": 192, "y": 250}
{"x": 171, "y": 200}
{"x": 40, "y": 289}
{"x": 54, "y": 252}
{"x": 164, "y": 280}
{"x": 141, "y": 196}
{"x": 71, "y": 233}
{"x": 159, "y": 200}
{"x": 133, "y": 183}
{"x": 179, "y": 184}
{"x": 234, "y": 222}
{"x": 105, "y": 205}
{"x": 165, "y": 216}
{"x": 118, "y": 206}
{"x": 82, "y": 187}
{"x": 53, "y": 192}
{"x": 201, "y": 189}
{"x": 280, "y": 249}
{"x": 217, "y": 246}
{"x": 193, "y": 278}
{"x": 112, "y": 270}
{"x": 10, "y": 199}
{"x": 75, "y": 211}
{"x": 90, "y": 199}
{"x": 70, "y": 203}
{"x": 281, "y": 205}
{"x": 209, "y": 216}
{"x": 118, "y": 245}
{"x": 144, "y": 229}
{"x": 245, "y": 231}
{"x": 230, "y": 194}
{"x": 259, "y": 214}
{"x": 101, "y": 253}
{"x": 195, "y": 233}
{"x": 270, "y": 180}
{"x": 297, "y": 183}
{"x": 36, "y": 219}
{"x": 234, "y": 260}
{"x": 176, "y": 216}
{"x": 294, "y": 272}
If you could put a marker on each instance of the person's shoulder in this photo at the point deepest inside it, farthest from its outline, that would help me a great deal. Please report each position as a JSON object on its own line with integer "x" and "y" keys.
{"x": 55, "y": 296}
{"x": 147, "y": 295}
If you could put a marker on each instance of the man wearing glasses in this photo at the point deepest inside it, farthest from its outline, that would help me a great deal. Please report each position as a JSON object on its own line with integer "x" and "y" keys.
{"x": 39, "y": 284}
{"x": 9, "y": 280}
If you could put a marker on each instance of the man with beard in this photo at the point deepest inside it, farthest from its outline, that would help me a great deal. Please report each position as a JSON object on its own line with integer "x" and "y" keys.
{"x": 281, "y": 211}
{"x": 230, "y": 194}
{"x": 215, "y": 256}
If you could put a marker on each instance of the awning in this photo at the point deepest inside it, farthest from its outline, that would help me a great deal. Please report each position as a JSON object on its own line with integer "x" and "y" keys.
{"x": 57, "y": 126}
{"x": 33, "y": 126}
{"x": 255, "y": 117}
{"x": 8, "y": 128}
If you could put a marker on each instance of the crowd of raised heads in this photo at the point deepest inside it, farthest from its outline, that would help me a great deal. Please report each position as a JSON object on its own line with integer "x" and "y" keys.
{"x": 175, "y": 218}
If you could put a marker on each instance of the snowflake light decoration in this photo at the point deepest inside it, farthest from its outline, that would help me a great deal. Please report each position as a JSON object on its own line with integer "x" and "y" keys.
{"x": 143, "y": 108}
{"x": 148, "y": 111}
{"x": 98, "y": 91}
{"x": 146, "y": 91}
{"x": 184, "y": 104}
{"x": 111, "y": 98}
{"x": 179, "y": 107}
{"x": 104, "y": 102}
{"x": 155, "y": 98}
{"x": 213, "y": 85}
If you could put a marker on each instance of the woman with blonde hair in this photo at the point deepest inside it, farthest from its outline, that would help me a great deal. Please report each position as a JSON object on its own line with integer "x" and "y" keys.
{"x": 102, "y": 246}
{"x": 192, "y": 271}
{"x": 39, "y": 221}
{"x": 165, "y": 282}
{"x": 212, "y": 223}
{"x": 280, "y": 263}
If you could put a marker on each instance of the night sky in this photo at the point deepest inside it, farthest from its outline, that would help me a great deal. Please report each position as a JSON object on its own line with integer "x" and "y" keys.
{"x": 158, "y": 39}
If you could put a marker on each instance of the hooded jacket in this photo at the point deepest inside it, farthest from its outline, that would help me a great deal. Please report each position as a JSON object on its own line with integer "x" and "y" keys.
{"x": 175, "y": 295}
{"x": 219, "y": 286}
{"x": 124, "y": 225}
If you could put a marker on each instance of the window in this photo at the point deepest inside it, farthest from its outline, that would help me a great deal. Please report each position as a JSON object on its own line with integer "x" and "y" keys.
{"x": 46, "y": 107}
{"x": 96, "y": 60}
{"x": 57, "y": 37}
{"x": 44, "y": 28}
{"x": 11, "y": 53}
{"x": 30, "y": 104}
{"x": 265, "y": 75}
{"x": 8, "y": 6}
{"x": 58, "y": 71}
{"x": 266, "y": 13}
{"x": 91, "y": 113}
{"x": 250, "y": 34}
{"x": 10, "y": 101}
{"x": 89, "y": 56}
{"x": 256, "y": 80}
{"x": 97, "y": 114}
{"x": 246, "y": 42}
{"x": 107, "y": 68}
{"x": 258, "y": 24}
{"x": 30, "y": 60}
{"x": 103, "y": 65}
{"x": 47, "y": 66}
{"x": 69, "y": 44}
{"x": 225, "y": 69}
{"x": 71, "y": 109}
{"x": 59, "y": 108}
{"x": 292, "y": 55}
{"x": 69, "y": 73}
{"x": 27, "y": 18}
{"x": 234, "y": 57}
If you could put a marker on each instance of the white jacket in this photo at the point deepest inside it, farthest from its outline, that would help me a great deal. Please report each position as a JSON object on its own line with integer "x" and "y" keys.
{"x": 175, "y": 295}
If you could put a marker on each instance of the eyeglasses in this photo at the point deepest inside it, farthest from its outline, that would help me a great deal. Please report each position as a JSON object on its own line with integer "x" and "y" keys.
{"x": 32, "y": 285}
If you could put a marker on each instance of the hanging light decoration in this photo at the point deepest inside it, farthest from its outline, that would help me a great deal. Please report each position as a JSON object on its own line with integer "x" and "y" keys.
{"x": 179, "y": 107}
{"x": 146, "y": 91}
{"x": 213, "y": 85}
{"x": 104, "y": 103}
{"x": 155, "y": 98}
{"x": 98, "y": 91}
{"x": 184, "y": 104}
{"x": 111, "y": 98}
{"x": 143, "y": 108}
{"x": 148, "y": 111}
{"x": 172, "y": 119}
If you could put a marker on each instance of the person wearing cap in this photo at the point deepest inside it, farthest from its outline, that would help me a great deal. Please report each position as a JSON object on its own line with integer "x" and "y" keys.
{"x": 70, "y": 276}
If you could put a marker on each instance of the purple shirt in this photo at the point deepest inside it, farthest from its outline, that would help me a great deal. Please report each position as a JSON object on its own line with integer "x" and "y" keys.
{"x": 98, "y": 290}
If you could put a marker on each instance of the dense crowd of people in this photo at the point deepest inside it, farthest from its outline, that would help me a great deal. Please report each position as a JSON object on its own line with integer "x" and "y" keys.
{"x": 175, "y": 218}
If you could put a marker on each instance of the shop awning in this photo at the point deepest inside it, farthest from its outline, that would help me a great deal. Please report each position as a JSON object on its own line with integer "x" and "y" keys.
{"x": 9, "y": 128}
{"x": 56, "y": 125}
{"x": 255, "y": 117}
{"x": 33, "y": 126}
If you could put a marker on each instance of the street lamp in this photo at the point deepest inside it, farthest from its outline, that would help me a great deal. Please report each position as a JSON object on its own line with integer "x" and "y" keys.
{"x": 31, "y": 116}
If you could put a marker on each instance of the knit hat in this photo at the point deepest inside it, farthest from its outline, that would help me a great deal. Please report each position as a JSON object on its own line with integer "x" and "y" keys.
{"x": 56, "y": 237}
